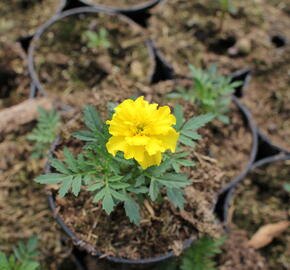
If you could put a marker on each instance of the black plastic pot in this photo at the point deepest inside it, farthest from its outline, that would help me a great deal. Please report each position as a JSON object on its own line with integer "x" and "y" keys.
{"x": 89, "y": 249}
{"x": 75, "y": 11}
{"x": 220, "y": 207}
{"x": 139, "y": 13}
{"x": 259, "y": 164}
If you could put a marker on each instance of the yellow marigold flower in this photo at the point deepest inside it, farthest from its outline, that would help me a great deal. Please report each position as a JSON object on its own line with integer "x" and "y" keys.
{"x": 142, "y": 131}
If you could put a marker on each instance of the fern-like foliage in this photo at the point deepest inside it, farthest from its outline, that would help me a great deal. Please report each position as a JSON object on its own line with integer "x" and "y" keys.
{"x": 23, "y": 257}
{"x": 201, "y": 254}
{"x": 113, "y": 180}
{"x": 45, "y": 132}
{"x": 210, "y": 92}
{"x": 96, "y": 39}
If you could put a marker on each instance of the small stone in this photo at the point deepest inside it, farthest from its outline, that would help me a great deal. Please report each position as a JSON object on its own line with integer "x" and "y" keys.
{"x": 244, "y": 46}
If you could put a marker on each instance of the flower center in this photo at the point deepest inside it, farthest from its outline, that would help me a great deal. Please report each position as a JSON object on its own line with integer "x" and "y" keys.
{"x": 140, "y": 128}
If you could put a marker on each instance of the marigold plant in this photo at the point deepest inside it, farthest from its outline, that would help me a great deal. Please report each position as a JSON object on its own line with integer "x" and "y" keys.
{"x": 142, "y": 131}
{"x": 137, "y": 155}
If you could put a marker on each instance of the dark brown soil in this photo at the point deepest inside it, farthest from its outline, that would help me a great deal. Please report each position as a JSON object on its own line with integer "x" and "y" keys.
{"x": 24, "y": 209}
{"x": 158, "y": 233}
{"x": 66, "y": 63}
{"x": 237, "y": 255}
{"x": 20, "y": 18}
{"x": 189, "y": 32}
{"x": 14, "y": 80}
{"x": 268, "y": 97}
{"x": 261, "y": 200}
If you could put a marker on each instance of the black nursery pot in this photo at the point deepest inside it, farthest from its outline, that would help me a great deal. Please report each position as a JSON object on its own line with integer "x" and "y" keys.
{"x": 220, "y": 208}
{"x": 265, "y": 186}
{"x": 87, "y": 11}
{"x": 139, "y": 13}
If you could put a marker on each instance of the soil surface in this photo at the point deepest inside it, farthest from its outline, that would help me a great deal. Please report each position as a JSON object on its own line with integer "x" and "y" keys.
{"x": 20, "y": 18}
{"x": 14, "y": 79}
{"x": 67, "y": 59}
{"x": 261, "y": 200}
{"x": 268, "y": 97}
{"x": 193, "y": 32}
{"x": 24, "y": 209}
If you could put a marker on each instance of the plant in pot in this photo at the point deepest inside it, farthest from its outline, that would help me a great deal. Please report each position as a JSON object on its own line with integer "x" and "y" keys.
{"x": 134, "y": 165}
{"x": 232, "y": 133}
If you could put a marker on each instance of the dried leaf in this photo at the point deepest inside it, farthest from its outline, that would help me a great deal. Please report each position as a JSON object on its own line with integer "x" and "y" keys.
{"x": 267, "y": 233}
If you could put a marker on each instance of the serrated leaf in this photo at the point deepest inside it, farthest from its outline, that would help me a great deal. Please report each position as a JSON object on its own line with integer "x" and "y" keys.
{"x": 119, "y": 185}
{"x": 191, "y": 134}
{"x": 176, "y": 167}
{"x": 162, "y": 168}
{"x": 50, "y": 178}
{"x": 179, "y": 116}
{"x": 173, "y": 180}
{"x": 92, "y": 118}
{"x": 153, "y": 190}
{"x": 186, "y": 141}
{"x": 175, "y": 195}
{"x": 132, "y": 211}
{"x": 108, "y": 202}
{"x": 95, "y": 186}
{"x": 76, "y": 185}
{"x": 185, "y": 162}
{"x": 140, "y": 180}
{"x": 118, "y": 195}
{"x": 85, "y": 135}
{"x": 32, "y": 244}
{"x": 198, "y": 121}
{"x": 59, "y": 166}
{"x": 65, "y": 186}
{"x": 70, "y": 160}
{"x": 99, "y": 195}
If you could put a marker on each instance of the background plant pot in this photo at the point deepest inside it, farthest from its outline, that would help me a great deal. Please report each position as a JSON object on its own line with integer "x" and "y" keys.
{"x": 220, "y": 208}
{"x": 262, "y": 189}
{"x": 138, "y": 12}
{"x": 144, "y": 43}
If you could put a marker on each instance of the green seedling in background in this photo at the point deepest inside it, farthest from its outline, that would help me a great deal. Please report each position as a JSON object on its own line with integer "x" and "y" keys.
{"x": 45, "y": 132}
{"x": 96, "y": 39}
{"x": 226, "y": 7}
{"x": 23, "y": 257}
{"x": 210, "y": 92}
{"x": 287, "y": 187}
{"x": 200, "y": 256}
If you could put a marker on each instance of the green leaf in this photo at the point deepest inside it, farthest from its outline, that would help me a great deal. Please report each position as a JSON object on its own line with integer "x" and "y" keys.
{"x": 92, "y": 118}
{"x": 287, "y": 187}
{"x": 162, "y": 168}
{"x": 76, "y": 185}
{"x": 50, "y": 178}
{"x": 30, "y": 266}
{"x": 85, "y": 135}
{"x": 108, "y": 202}
{"x": 70, "y": 160}
{"x": 224, "y": 119}
{"x": 191, "y": 134}
{"x": 198, "y": 122}
{"x": 132, "y": 211}
{"x": 99, "y": 195}
{"x": 140, "y": 180}
{"x": 186, "y": 141}
{"x": 118, "y": 195}
{"x": 179, "y": 116}
{"x": 185, "y": 162}
{"x": 59, "y": 166}
{"x": 173, "y": 180}
{"x": 65, "y": 186}
{"x": 95, "y": 186}
{"x": 175, "y": 195}
{"x": 119, "y": 185}
{"x": 153, "y": 190}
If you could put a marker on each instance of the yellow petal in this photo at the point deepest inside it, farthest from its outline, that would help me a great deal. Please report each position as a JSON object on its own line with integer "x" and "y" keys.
{"x": 116, "y": 144}
{"x": 169, "y": 141}
{"x": 150, "y": 160}
{"x": 137, "y": 140}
